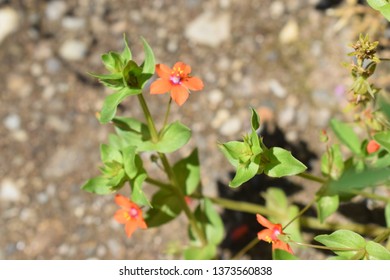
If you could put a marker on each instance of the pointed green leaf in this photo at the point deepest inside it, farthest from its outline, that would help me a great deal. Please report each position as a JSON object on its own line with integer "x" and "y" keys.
{"x": 352, "y": 180}
{"x": 387, "y": 215}
{"x": 112, "y": 61}
{"x": 376, "y": 251}
{"x": 174, "y": 136}
{"x": 200, "y": 253}
{"x": 166, "y": 207}
{"x": 255, "y": 120}
{"x": 210, "y": 221}
{"x": 131, "y": 73}
{"x": 114, "y": 80}
{"x": 326, "y": 206}
{"x": 97, "y": 185}
{"x": 343, "y": 239}
{"x": 112, "y": 101}
{"x": 149, "y": 63}
{"x": 282, "y": 163}
{"x": 383, "y": 139}
{"x": 346, "y": 135}
{"x": 385, "y": 11}
{"x": 187, "y": 172}
{"x": 129, "y": 154}
{"x": 109, "y": 153}
{"x": 126, "y": 53}
{"x": 236, "y": 152}
{"x": 245, "y": 172}
{"x": 137, "y": 193}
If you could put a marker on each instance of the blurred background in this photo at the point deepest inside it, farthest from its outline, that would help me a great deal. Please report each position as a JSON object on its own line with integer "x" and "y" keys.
{"x": 282, "y": 57}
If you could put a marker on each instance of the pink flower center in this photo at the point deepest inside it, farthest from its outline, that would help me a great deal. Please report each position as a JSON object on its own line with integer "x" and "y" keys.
{"x": 176, "y": 76}
{"x": 133, "y": 212}
{"x": 175, "y": 79}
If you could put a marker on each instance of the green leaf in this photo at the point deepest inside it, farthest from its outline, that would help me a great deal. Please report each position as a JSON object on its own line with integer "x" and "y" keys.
{"x": 112, "y": 61}
{"x": 283, "y": 255}
{"x": 326, "y": 206}
{"x": 255, "y": 120}
{"x": 174, "y": 136}
{"x": 114, "y": 80}
{"x": 129, "y": 154}
{"x": 332, "y": 163}
{"x": 200, "y": 253}
{"x": 282, "y": 163}
{"x": 187, "y": 172}
{"x": 377, "y": 4}
{"x": 387, "y": 215}
{"x": 346, "y": 135}
{"x": 137, "y": 193}
{"x": 132, "y": 133}
{"x": 385, "y": 11}
{"x": 383, "y": 139}
{"x": 109, "y": 153}
{"x": 149, "y": 64}
{"x": 131, "y": 73}
{"x": 126, "y": 53}
{"x": 343, "y": 239}
{"x": 275, "y": 200}
{"x": 210, "y": 221}
{"x": 166, "y": 207}
{"x": 97, "y": 185}
{"x": 352, "y": 180}
{"x": 376, "y": 251}
{"x": 245, "y": 172}
{"x": 112, "y": 101}
{"x": 236, "y": 152}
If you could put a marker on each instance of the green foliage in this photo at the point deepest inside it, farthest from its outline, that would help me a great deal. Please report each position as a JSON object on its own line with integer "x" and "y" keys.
{"x": 383, "y": 6}
{"x": 346, "y": 135}
{"x": 281, "y": 163}
{"x": 187, "y": 172}
{"x": 326, "y": 206}
{"x": 350, "y": 245}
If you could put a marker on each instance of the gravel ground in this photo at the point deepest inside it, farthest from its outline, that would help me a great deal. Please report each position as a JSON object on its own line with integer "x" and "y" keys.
{"x": 280, "y": 57}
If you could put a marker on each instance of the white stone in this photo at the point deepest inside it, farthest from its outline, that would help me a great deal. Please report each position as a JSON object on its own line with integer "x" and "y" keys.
{"x": 9, "y": 22}
{"x": 73, "y": 50}
{"x": 73, "y": 23}
{"x": 215, "y": 97}
{"x": 9, "y": 191}
{"x": 277, "y": 89}
{"x": 289, "y": 33}
{"x": 286, "y": 116}
{"x": 55, "y": 10}
{"x": 209, "y": 29}
{"x": 12, "y": 121}
{"x": 231, "y": 127}
{"x": 276, "y": 9}
{"x": 221, "y": 116}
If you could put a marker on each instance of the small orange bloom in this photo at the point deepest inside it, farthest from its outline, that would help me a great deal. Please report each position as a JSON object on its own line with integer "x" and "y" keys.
{"x": 177, "y": 81}
{"x": 271, "y": 234}
{"x": 130, "y": 215}
{"x": 372, "y": 146}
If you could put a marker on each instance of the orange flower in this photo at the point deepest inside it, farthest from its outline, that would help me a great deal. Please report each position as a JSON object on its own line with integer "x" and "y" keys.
{"x": 372, "y": 146}
{"x": 177, "y": 81}
{"x": 271, "y": 234}
{"x": 130, "y": 215}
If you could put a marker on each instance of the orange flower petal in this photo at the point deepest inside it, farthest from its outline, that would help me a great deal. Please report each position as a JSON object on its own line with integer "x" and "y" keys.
{"x": 193, "y": 83}
{"x": 160, "y": 86}
{"x": 179, "y": 94}
{"x": 163, "y": 71}
{"x": 265, "y": 234}
{"x": 123, "y": 201}
{"x": 120, "y": 216}
{"x": 130, "y": 227}
{"x": 184, "y": 67}
{"x": 141, "y": 223}
{"x": 264, "y": 222}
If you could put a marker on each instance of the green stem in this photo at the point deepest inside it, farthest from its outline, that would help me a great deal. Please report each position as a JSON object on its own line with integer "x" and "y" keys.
{"x": 372, "y": 196}
{"x": 242, "y": 206}
{"x": 167, "y": 114}
{"x": 149, "y": 119}
{"x": 170, "y": 173}
{"x": 383, "y": 236}
{"x": 311, "y": 177}
{"x": 300, "y": 213}
{"x": 157, "y": 183}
